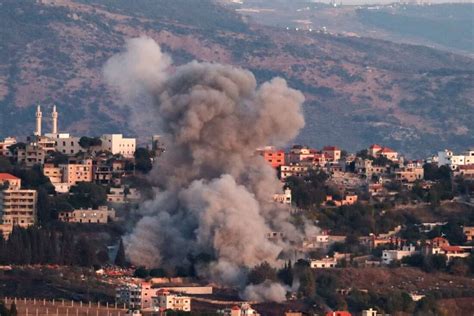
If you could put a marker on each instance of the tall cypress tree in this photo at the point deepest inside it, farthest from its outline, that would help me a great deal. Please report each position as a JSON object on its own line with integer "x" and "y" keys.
{"x": 120, "y": 259}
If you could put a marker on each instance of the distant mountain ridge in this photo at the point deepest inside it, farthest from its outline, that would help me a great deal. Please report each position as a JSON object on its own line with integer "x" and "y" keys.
{"x": 358, "y": 90}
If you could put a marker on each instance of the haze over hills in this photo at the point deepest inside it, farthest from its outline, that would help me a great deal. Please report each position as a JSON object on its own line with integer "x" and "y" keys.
{"x": 358, "y": 90}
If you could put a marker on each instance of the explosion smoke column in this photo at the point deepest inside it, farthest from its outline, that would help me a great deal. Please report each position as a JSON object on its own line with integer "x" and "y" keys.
{"x": 213, "y": 193}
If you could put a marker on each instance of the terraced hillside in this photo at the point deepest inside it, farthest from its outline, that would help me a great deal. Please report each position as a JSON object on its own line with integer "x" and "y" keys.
{"x": 358, "y": 90}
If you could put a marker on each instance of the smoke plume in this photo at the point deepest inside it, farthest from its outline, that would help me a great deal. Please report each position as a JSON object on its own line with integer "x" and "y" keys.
{"x": 213, "y": 193}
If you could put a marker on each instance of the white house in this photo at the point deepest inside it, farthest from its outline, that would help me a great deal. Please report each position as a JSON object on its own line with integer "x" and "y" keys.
{"x": 324, "y": 263}
{"x": 388, "y": 256}
{"x": 165, "y": 300}
{"x": 116, "y": 144}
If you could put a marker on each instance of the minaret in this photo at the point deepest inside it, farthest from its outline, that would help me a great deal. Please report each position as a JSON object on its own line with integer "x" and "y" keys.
{"x": 39, "y": 116}
{"x": 54, "y": 115}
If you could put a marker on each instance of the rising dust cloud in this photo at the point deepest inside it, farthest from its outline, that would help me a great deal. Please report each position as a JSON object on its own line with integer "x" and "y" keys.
{"x": 213, "y": 193}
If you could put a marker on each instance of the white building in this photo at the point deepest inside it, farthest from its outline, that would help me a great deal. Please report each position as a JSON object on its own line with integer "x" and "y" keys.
{"x": 324, "y": 263}
{"x": 243, "y": 310}
{"x": 388, "y": 256}
{"x": 101, "y": 215}
{"x": 283, "y": 198}
{"x": 65, "y": 143}
{"x": 116, "y": 144}
{"x": 448, "y": 158}
{"x": 165, "y": 300}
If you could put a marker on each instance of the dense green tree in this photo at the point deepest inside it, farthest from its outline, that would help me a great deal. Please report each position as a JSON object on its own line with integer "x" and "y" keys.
{"x": 85, "y": 253}
{"x": 87, "y": 142}
{"x": 141, "y": 272}
{"x": 86, "y": 194}
{"x": 143, "y": 160}
{"x": 5, "y": 165}
{"x": 261, "y": 273}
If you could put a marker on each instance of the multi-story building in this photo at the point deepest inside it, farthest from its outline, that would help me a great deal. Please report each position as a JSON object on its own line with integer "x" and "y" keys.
{"x": 324, "y": 263}
{"x": 129, "y": 294}
{"x": 243, "y": 310}
{"x": 283, "y": 198}
{"x": 116, "y": 144}
{"x": 377, "y": 151}
{"x": 409, "y": 173}
{"x": 123, "y": 195}
{"x": 465, "y": 171}
{"x": 165, "y": 300}
{"x": 8, "y": 181}
{"x": 80, "y": 171}
{"x": 5, "y": 145}
{"x": 388, "y": 256}
{"x": 101, "y": 215}
{"x": 274, "y": 157}
{"x": 17, "y": 208}
{"x": 30, "y": 155}
{"x": 448, "y": 158}
{"x": 65, "y": 143}
{"x": 441, "y": 246}
{"x": 293, "y": 170}
{"x": 300, "y": 153}
{"x": 332, "y": 153}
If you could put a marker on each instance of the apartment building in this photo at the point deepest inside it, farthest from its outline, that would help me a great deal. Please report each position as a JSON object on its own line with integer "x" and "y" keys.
{"x": 17, "y": 208}
{"x": 101, "y": 215}
{"x": 117, "y": 144}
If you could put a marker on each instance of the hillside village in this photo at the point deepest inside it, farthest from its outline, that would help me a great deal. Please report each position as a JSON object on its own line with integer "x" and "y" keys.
{"x": 61, "y": 194}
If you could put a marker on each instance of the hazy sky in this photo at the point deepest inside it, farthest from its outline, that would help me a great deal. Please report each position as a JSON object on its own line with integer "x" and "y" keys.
{"x": 355, "y": 2}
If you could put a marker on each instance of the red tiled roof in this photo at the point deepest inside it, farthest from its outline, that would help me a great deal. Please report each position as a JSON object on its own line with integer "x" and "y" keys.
{"x": 467, "y": 167}
{"x": 387, "y": 150}
{"x": 451, "y": 248}
{"x": 373, "y": 146}
{"x": 7, "y": 176}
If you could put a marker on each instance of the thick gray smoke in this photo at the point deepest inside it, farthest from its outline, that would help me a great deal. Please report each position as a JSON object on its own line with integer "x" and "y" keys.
{"x": 213, "y": 193}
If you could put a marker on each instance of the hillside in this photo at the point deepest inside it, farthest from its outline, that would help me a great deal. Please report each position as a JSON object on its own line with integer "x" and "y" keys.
{"x": 358, "y": 90}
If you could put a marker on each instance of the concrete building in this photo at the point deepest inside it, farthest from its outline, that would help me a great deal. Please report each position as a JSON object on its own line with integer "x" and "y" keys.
{"x": 165, "y": 300}
{"x": 129, "y": 294}
{"x": 243, "y": 310}
{"x": 441, "y": 246}
{"x": 5, "y": 145}
{"x": 376, "y": 151}
{"x": 123, "y": 195}
{"x": 80, "y": 171}
{"x": 332, "y": 153}
{"x": 274, "y": 157}
{"x": 348, "y": 199}
{"x": 293, "y": 170}
{"x": 116, "y": 144}
{"x": 448, "y": 158}
{"x": 283, "y": 198}
{"x": 17, "y": 208}
{"x": 30, "y": 155}
{"x": 9, "y": 181}
{"x": 370, "y": 312}
{"x": 409, "y": 174}
{"x": 65, "y": 143}
{"x": 465, "y": 171}
{"x": 98, "y": 216}
{"x": 388, "y": 256}
{"x": 469, "y": 232}
{"x": 324, "y": 263}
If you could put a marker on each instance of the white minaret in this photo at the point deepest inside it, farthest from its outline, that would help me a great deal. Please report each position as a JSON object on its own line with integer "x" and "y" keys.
{"x": 39, "y": 116}
{"x": 54, "y": 115}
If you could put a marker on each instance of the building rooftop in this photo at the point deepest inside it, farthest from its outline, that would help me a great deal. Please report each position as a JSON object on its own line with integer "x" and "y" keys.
{"x": 7, "y": 176}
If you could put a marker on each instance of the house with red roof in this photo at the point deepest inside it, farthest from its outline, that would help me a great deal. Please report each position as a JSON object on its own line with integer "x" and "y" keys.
{"x": 378, "y": 151}
{"x": 441, "y": 246}
{"x": 332, "y": 153}
{"x": 9, "y": 180}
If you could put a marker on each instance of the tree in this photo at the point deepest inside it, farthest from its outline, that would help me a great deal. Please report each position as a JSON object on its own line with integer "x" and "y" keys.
{"x": 120, "y": 259}
{"x": 143, "y": 160}
{"x": 85, "y": 253}
{"x": 13, "y": 310}
{"x": 261, "y": 273}
{"x": 87, "y": 142}
{"x": 87, "y": 195}
{"x": 141, "y": 273}
{"x": 5, "y": 165}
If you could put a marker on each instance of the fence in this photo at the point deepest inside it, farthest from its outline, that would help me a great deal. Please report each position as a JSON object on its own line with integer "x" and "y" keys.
{"x": 42, "y": 307}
